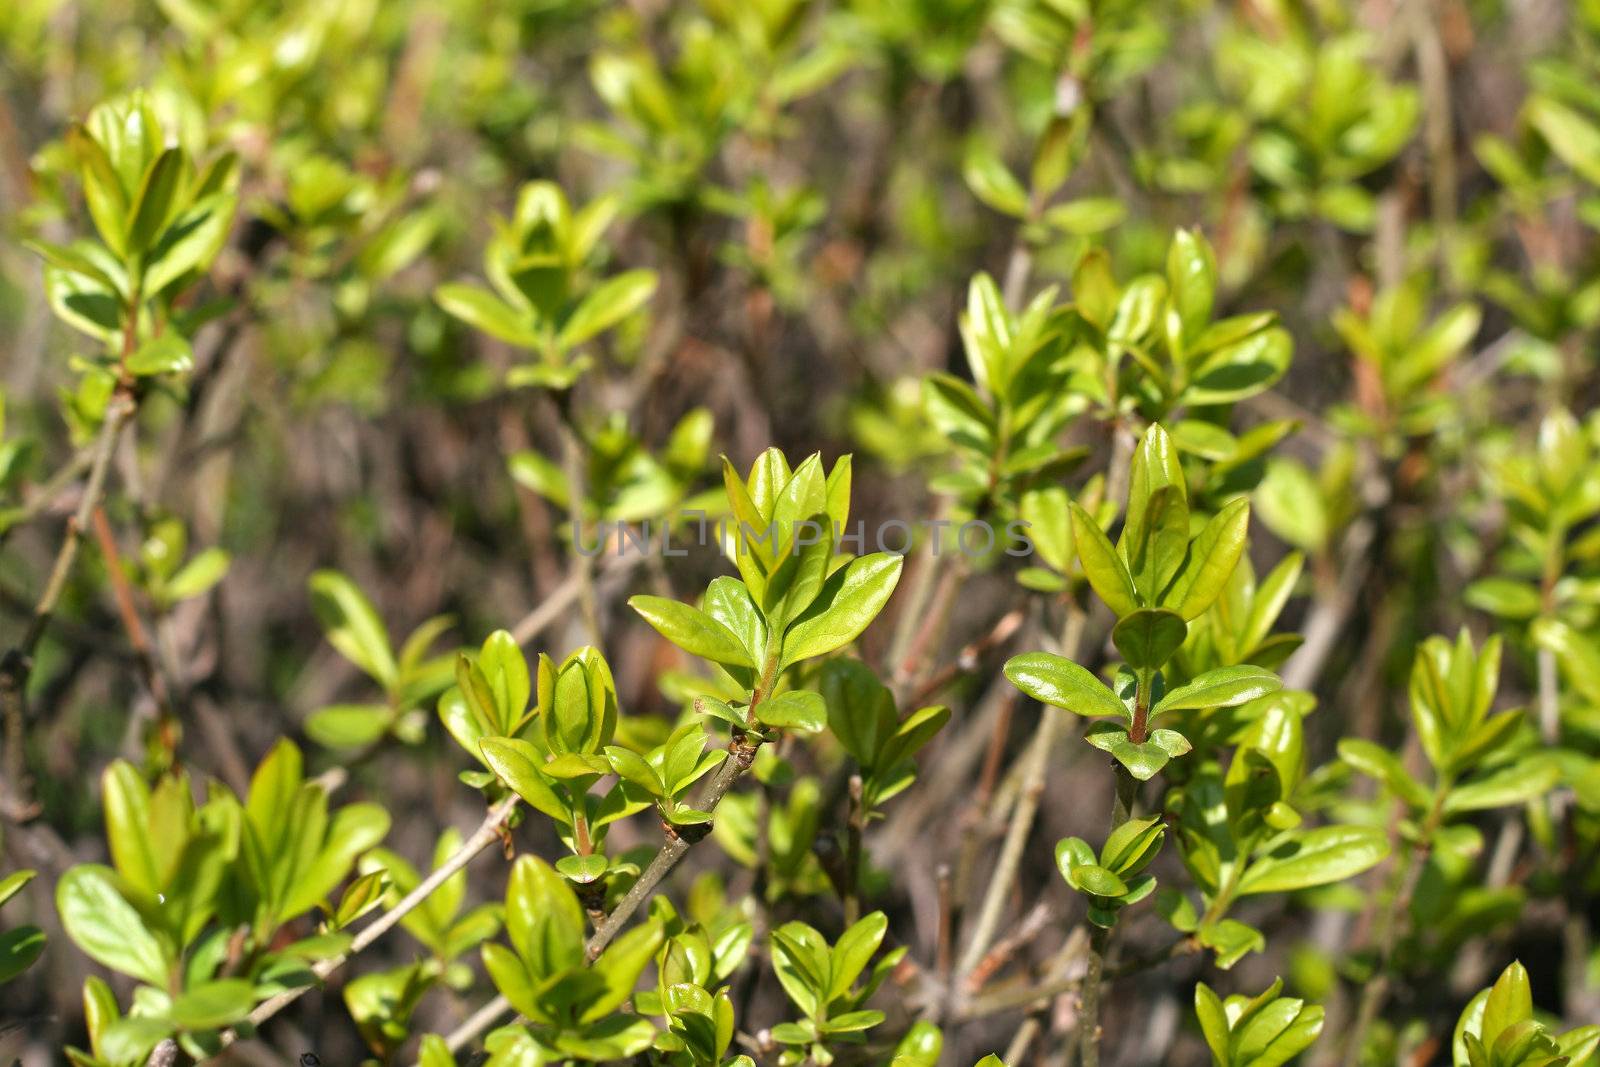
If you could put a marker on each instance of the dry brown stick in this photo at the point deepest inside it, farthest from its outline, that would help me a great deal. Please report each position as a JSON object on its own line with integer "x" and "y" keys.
{"x": 1333, "y": 608}
{"x": 925, "y": 641}
{"x": 563, "y": 596}
{"x": 1006, "y": 948}
{"x": 923, "y": 571}
{"x": 968, "y": 658}
{"x": 1433, "y": 69}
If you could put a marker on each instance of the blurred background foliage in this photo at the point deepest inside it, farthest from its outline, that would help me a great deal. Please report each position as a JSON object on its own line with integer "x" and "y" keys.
{"x": 1409, "y": 185}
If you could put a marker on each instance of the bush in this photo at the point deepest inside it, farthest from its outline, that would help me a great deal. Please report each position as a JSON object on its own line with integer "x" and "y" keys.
{"x": 1161, "y": 429}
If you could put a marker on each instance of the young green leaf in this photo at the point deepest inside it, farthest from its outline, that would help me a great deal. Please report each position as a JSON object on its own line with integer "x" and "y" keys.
{"x": 1315, "y": 857}
{"x": 1102, "y": 565}
{"x": 850, "y": 599}
{"x": 1148, "y": 637}
{"x": 1212, "y": 557}
{"x": 1224, "y": 687}
{"x": 692, "y": 630}
{"x": 1056, "y": 680}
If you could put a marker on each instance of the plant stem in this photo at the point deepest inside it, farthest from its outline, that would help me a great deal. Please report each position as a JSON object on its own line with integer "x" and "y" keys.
{"x": 487, "y": 833}
{"x": 46, "y": 494}
{"x": 742, "y": 754}
{"x": 1089, "y": 1012}
{"x": 577, "y": 490}
{"x": 854, "y": 825}
{"x": 1376, "y": 990}
{"x": 1121, "y": 811}
{"x": 138, "y": 637}
{"x": 17, "y": 665}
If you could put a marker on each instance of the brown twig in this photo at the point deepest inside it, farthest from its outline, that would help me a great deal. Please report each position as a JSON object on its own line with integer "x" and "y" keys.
{"x": 1051, "y": 720}
{"x": 122, "y": 593}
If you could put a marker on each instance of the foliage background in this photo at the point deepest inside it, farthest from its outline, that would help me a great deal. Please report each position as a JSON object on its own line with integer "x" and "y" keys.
{"x": 814, "y": 184}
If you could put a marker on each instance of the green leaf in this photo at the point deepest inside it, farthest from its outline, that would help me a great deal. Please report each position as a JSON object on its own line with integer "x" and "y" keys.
{"x": 12, "y": 883}
{"x": 800, "y": 960}
{"x": 692, "y": 630}
{"x": 191, "y": 242}
{"x": 544, "y": 920}
{"x": 214, "y": 1005}
{"x": 991, "y": 181}
{"x": 556, "y": 378}
{"x": 1563, "y": 451}
{"x": 126, "y": 800}
{"x": 632, "y": 767}
{"x": 205, "y": 570}
{"x": 106, "y": 927}
{"x": 853, "y": 951}
{"x": 511, "y": 978}
{"x": 1292, "y": 506}
{"x": 1504, "y": 598}
{"x": 851, "y": 1022}
{"x": 986, "y": 333}
{"x": 517, "y": 763}
{"x": 1231, "y": 941}
{"x": 1213, "y": 1022}
{"x": 505, "y": 669}
{"x": 102, "y": 188}
{"x": 1508, "y": 786}
{"x": 1509, "y": 1003}
{"x": 1086, "y": 215}
{"x": 797, "y": 709}
{"x": 1575, "y": 140}
{"x": 1143, "y": 761}
{"x": 1056, "y": 680}
{"x": 1315, "y": 857}
{"x": 850, "y": 599}
{"x": 131, "y": 1040}
{"x": 434, "y": 1052}
{"x": 1147, "y": 638}
{"x": 611, "y": 301}
{"x": 1579, "y": 655}
{"x": 1191, "y": 281}
{"x": 482, "y": 310}
{"x": 353, "y": 626}
{"x": 583, "y": 870}
{"x": 1130, "y": 847}
{"x": 1102, "y": 565}
{"x": 620, "y": 966}
{"x": 1095, "y": 880}
{"x": 1379, "y": 763}
{"x": 167, "y": 354}
{"x": 1225, "y": 687}
{"x": 153, "y": 205}
{"x": 1212, "y": 558}
{"x": 349, "y": 725}
{"x": 77, "y": 258}
{"x": 19, "y": 947}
